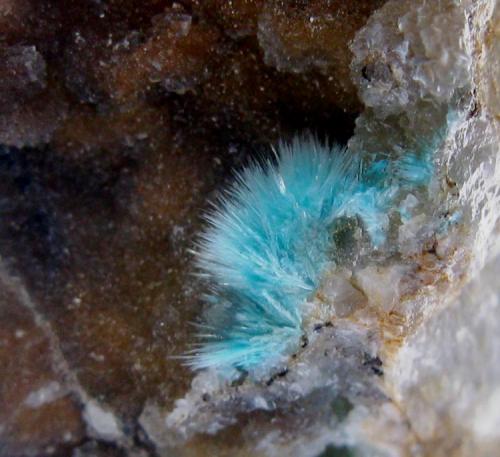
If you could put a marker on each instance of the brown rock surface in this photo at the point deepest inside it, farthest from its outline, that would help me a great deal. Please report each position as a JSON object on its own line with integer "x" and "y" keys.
{"x": 38, "y": 412}
{"x": 119, "y": 120}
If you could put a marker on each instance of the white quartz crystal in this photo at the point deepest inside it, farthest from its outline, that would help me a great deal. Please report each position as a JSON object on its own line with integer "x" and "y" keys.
{"x": 101, "y": 423}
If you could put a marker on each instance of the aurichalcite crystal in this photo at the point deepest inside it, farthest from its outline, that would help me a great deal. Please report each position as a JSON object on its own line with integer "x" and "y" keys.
{"x": 269, "y": 242}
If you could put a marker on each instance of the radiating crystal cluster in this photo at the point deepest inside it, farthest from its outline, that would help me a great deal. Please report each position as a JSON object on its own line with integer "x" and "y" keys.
{"x": 395, "y": 334}
{"x": 122, "y": 119}
{"x": 283, "y": 226}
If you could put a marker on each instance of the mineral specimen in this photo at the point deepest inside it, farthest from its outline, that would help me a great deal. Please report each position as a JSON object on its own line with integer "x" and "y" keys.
{"x": 120, "y": 121}
{"x": 270, "y": 243}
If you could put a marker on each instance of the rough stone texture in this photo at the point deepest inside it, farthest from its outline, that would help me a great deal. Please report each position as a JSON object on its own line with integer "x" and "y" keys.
{"x": 120, "y": 120}
{"x": 451, "y": 398}
{"x": 39, "y": 414}
{"x": 201, "y": 63}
